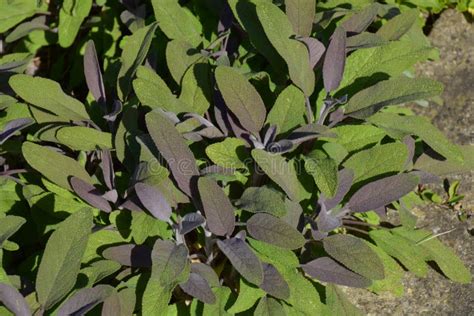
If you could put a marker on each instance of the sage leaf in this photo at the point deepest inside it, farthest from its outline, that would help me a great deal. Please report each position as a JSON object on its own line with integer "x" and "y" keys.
{"x": 399, "y": 25}
{"x": 421, "y": 127}
{"x": 279, "y": 31}
{"x": 218, "y": 210}
{"x": 54, "y": 166}
{"x": 137, "y": 256}
{"x": 324, "y": 171}
{"x": 268, "y": 306}
{"x": 61, "y": 260}
{"x": 281, "y": 172}
{"x": 85, "y": 300}
{"x": 263, "y": 199}
{"x": 120, "y": 304}
{"x": 381, "y": 192}
{"x": 274, "y": 231}
{"x": 301, "y": 15}
{"x": 361, "y": 20}
{"x": 71, "y": 16}
{"x": 9, "y": 225}
{"x": 391, "y": 92}
{"x": 289, "y": 110}
{"x": 243, "y": 259}
{"x": 248, "y": 296}
{"x": 93, "y": 73}
{"x": 196, "y": 90}
{"x": 230, "y": 153}
{"x": 274, "y": 283}
{"x": 338, "y": 303}
{"x": 241, "y": 98}
{"x": 84, "y": 138}
{"x": 48, "y": 96}
{"x": 154, "y": 201}
{"x": 326, "y": 269}
{"x": 168, "y": 12}
{"x": 335, "y": 60}
{"x": 173, "y": 148}
{"x": 133, "y": 54}
{"x": 377, "y": 161}
{"x": 197, "y": 287}
{"x": 354, "y": 254}
{"x": 180, "y": 55}
{"x": 13, "y": 300}
{"x": 90, "y": 194}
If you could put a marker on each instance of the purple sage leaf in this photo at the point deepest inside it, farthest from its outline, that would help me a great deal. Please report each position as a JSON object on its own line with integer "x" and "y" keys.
{"x": 326, "y": 269}
{"x": 190, "y": 222}
{"x": 154, "y": 201}
{"x": 273, "y": 282}
{"x": 93, "y": 73}
{"x": 14, "y": 126}
{"x": 85, "y": 300}
{"x": 335, "y": 60}
{"x": 90, "y": 194}
{"x": 316, "y": 50}
{"x": 129, "y": 255}
{"x": 13, "y": 300}
{"x": 197, "y": 287}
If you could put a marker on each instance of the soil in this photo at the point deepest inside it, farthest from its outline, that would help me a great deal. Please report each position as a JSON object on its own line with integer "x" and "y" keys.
{"x": 435, "y": 294}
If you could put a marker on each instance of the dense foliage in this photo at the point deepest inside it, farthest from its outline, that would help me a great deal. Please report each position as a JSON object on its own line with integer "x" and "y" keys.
{"x": 214, "y": 157}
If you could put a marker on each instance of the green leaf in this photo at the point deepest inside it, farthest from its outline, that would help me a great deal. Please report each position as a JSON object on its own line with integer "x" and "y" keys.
{"x": 180, "y": 55}
{"x": 8, "y": 226}
{"x": 152, "y": 91}
{"x": 391, "y": 59}
{"x": 230, "y": 153}
{"x": 177, "y": 22}
{"x": 402, "y": 249}
{"x": 133, "y": 54}
{"x": 196, "y": 88}
{"x": 48, "y": 96}
{"x": 54, "y": 166}
{"x": 444, "y": 256}
{"x": 268, "y": 306}
{"x": 241, "y": 98}
{"x": 61, "y": 260}
{"x": 281, "y": 172}
{"x": 99, "y": 270}
{"x": 377, "y": 161}
{"x": 354, "y": 254}
{"x": 289, "y": 110}
{"x": 421, "y": 127}
{"x": 263, "y": 199}
{"x": 324, "y": 171}
{"x": 356, "y": 137}
{"x": 283, "y": 259}
{"x": 304, "y": 296}
{"x": 13, "y": 12}
{"x": 279, "y": 31}
{"x": 391, "y": 92}
{"x": 449, "y": 166}
{"x": 272, "y": 230}
{"x": 399, "y": 25}
{"x": 71, "y": 16}
{"x": 84, "y": 138}
{"x": 98, "y": 241}
{"x": 248, "y": 296}
{"x": 219, "y": 308}
{"x": 144, "y": 226}
{"x": 120, "y": 304}
{"x": 338, "y": 304}
{"x": 301, "y": 15}
{"x": 393, "y": 280}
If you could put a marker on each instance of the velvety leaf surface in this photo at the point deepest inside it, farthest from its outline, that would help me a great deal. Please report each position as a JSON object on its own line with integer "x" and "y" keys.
{"x": 445, "y": 167}
{"x": 129, "y": 255}
{"x": 376, "y": 161}
{"x": 89, "y": 194}
{"x": 61, "y": 260}
{"x": 263, "y": 199}
{"x": 13, "y": 300}
{"x": 391, "y": 92}
{"x": 197, "y": 287}
{"x": 93, "y": 73}
{"x": 356, "y": 137}
{"x": 84, "y": 138}
{"x": 402, "y": 249}
{"x": 354, "y": 254}
{"x": 120, "y": 304}
{"x": 241, "y": 98}
{"x": 335, "y": 60}
{"x": 268, "y": 306}
{"x": 85, "y": 300}
{"x": 327, "y": 270}
{"x": 248, "y": 296}
{"x": 420, "y": 126}
{"x": 168, "y": 13}
{"x": 273, "y": 282}
{"x": 301, "y": 15}
{"x": 243, "y": 259}
{"x": 279, "y": 31}
{"x": 398, "y": 26}
{"x": 9, "y": 225}
{"x": 218, "y": 210}
{"x": 338, "y": 304}
{"x": 133, "y": 54}
{"x": 54, "y": 166}
{"x": 154, "y": 201}
{"x": 173, "y": 148}
{"x": 382, "y": 192}
{"x": 289, "y": 110}
{"x": 13, "y": 127}
{"x": 196, "y": 88}
{"x": 71, "y": 16}
{"x": 229, "y": 153}
{"x": 180, "y": 55}
{"x": 48, "y": 95}
{"x": 359, "y": 21}
{"x": 270, "y": 229}
{"x": 281, "y": 172}
{"x": 324, "y": 172}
